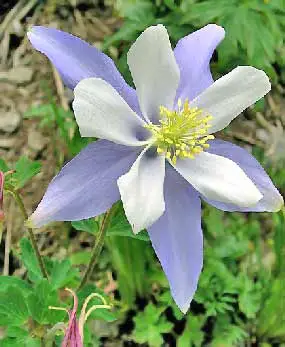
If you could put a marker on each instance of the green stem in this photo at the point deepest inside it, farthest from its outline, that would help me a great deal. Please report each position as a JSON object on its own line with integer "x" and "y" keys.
{"x": 21, "y": 205}
{"x": 97, "y": 247}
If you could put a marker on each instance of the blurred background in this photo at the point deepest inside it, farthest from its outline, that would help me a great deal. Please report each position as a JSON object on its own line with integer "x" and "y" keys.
{"x": 241, "y": 295}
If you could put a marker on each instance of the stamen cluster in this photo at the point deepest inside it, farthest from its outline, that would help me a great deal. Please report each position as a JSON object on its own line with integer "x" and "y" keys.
{"x": 182, "y": 133}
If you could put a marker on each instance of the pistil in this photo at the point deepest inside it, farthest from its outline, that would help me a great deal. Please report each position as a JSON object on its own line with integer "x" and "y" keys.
{"x": 182, "y": 133}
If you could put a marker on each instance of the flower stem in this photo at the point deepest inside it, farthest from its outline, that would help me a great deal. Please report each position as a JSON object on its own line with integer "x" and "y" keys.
{"x": 21, "y": 205}
{"x": 97, "y": 247}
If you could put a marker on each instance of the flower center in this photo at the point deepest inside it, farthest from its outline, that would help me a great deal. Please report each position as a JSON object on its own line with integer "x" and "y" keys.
{"x": 182, "y": 133}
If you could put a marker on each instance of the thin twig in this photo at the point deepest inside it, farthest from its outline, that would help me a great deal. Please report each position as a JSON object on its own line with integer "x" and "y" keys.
{"x": 60, "y": 89}
{"x": 27, "y": 8}
{"x": 97, "y": 247}
{"x": 21, "y": 205}
{"x": 8, "y": 238}
{"x": 10, "y": 16}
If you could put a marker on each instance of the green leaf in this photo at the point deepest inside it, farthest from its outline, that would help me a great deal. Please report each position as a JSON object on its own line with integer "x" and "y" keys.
{"x": 3, "y": 166}
{"x": 271, "y": 318}
{"x": 62, "y": 274}
{"x": 279, "y": 241}
{"x": 120, "y": 226}
{"x": 91, "y": 226}
{"x": 80, "y": 258}
{"x": 150, "y": 325}
{"x": 130, "y": 258}
{"x": 171, "y": 4}
{"x": 18, "y": 337}
{"x": 8, "y": 281}
{"x": 39, "y": 301}
{"x": 136, "y": 10}
{"x": 25, "y": 170}
{"x": 167, "y": 300}
{"x": 228, "y": 334}
{"x": 30, "y": 260}
{"x": 38, "y": 111}
{"x": 250, "y": 297}
{"x": 13, "y": 307}
{"x": 192, "y": 334}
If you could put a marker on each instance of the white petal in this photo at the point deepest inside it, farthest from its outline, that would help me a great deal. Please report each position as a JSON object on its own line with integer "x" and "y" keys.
{"x": 101, "y": 112}
{"x": 141, "y": 190}
{"x": 226, "y": 98}
{"x": 220, "y": 179}
{"x": 154, "y": 70}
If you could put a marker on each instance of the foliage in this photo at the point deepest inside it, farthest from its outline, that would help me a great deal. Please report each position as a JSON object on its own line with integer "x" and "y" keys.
{"x": 192, "y": 334}
{"x": 19, "y": 174}
{"x": 240, "y": 297}
{"x": 24, "y": 304}
{"x": 150, "y": 325}
{"x": 245, "y": 22}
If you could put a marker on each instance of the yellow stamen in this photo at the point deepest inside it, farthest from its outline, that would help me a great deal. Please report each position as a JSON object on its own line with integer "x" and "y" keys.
{"x": 182, "y": 133}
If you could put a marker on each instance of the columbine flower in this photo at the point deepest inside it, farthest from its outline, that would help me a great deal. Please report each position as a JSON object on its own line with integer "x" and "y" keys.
{"x": 157, "y": 151}
{"x": 1, "y": 195}
{"x": 74, "y": 332}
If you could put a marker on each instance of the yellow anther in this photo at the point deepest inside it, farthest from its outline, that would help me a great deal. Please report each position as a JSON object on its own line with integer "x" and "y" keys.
{"x": 168, "y": 155}
{"x": 182, "y": 133}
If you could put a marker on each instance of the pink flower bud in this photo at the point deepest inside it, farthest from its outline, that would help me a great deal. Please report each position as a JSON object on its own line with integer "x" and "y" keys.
{"x": 74, "y": 332}
{"x": 72, "y": 336}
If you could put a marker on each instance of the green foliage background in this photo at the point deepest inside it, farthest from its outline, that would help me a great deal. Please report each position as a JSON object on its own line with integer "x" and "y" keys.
{"x": 241, "y": 296}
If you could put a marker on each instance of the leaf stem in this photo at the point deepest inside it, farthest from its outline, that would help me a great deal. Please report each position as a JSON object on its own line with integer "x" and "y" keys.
{"x": 21, "y": 205}
{"x": 97, "y": 247}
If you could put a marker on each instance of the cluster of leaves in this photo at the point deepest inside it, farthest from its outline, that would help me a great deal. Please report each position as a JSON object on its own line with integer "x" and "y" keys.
{"x": 239, "y": 296}
{"x": 18, "y": 175}
{"x": 254, "y": 27}
{"x": 24, "y": 304}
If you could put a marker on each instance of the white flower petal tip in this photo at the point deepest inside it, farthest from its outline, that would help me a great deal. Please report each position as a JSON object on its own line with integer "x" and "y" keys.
{"x": 141, "y": 191}
{"x": 231, "y": 94}
{"x": 29, "y": 34}
{"x": 31, "y": 31}
{"x": 218, "y": 28}
{"x": 185, "y": 307}
{"x": 220, "y": 179}
{"x": 154, "y": 70}
{"x": 37, "y": 219}
{"x": 256, "y": 76}
{"x": 279, "y": 204}
{"x": 33, "y": 34}
{"x": 101, "y": 112}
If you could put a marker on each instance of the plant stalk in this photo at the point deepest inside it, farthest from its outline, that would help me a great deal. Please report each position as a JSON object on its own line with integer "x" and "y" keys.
{"x": 97, "y": 247}
{"x": 21, "y": 205}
